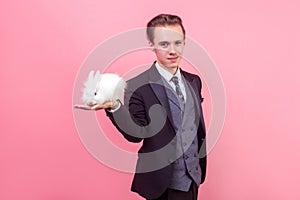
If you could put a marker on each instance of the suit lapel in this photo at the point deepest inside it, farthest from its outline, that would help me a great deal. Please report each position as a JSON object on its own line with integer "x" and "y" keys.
{"x": 195, "y": 91}
{"x": 159, "y": 90}
{"x": 193, "y": 83}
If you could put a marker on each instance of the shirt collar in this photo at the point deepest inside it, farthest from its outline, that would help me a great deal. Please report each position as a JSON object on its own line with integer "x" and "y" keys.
{"x": 166, "y": 74}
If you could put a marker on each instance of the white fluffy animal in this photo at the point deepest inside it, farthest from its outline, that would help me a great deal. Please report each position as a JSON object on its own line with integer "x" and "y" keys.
{"x": 102, "y": 87}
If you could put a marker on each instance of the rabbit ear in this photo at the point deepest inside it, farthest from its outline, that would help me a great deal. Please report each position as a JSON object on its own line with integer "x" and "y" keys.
{"x": 97, "y": 79}
{"x": 91, "y": 75}
{"x": 97, "y": 75}
{"x": 90, "y": 81}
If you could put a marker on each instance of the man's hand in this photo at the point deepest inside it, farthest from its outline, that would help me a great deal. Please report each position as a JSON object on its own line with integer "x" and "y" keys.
{"x": 111, "y": 104}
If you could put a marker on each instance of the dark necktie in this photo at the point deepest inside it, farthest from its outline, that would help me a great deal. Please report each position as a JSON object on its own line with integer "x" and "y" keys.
{"x": 174, "y": 79}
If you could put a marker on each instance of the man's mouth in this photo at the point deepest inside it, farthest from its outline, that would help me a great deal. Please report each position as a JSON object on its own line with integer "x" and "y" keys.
{"x": 173, "y": 59}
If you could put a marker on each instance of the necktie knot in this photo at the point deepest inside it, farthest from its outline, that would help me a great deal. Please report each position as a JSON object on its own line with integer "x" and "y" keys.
{"x": 174, "y": 79}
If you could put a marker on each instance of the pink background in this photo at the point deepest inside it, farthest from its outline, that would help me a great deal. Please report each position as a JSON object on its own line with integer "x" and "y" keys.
{"x": 255, "y": 45}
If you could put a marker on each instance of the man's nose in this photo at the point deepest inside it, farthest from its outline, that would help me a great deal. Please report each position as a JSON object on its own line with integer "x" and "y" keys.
{"x": 172, "y": 49}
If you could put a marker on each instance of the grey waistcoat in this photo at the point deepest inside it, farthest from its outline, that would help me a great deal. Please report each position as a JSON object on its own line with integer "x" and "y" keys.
{"x": 186, "y": 167}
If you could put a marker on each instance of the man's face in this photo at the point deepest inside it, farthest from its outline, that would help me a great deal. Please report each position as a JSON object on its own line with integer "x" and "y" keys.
{"x": 168, "y": 44}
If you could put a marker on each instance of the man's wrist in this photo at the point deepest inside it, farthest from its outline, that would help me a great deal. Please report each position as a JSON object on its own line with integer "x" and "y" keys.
{"x": 116, "y": 104}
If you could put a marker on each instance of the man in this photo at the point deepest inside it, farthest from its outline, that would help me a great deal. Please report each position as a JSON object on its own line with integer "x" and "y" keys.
{"x": 172, "y": 160}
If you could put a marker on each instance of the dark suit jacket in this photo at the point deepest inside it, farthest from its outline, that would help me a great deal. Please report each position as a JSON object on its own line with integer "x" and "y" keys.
{"x": 134, "y": 122}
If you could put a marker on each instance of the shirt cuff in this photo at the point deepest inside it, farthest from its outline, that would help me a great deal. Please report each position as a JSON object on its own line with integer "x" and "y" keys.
{"x": 117, "y": 108}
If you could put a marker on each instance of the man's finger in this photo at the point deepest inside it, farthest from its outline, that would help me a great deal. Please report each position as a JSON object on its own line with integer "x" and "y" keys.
{"x": 84, "y": 107}
{"x": 97, "y": 107}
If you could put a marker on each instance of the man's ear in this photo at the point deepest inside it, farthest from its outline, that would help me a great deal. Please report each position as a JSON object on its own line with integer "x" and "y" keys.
{"x": 151, "y": 45}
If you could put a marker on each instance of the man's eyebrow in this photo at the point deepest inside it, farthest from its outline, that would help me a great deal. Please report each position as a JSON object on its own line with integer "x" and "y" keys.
{"x": 163, "y": 42}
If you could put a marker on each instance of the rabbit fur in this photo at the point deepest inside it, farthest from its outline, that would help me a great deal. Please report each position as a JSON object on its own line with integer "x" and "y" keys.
{"x": 102, "y": 87}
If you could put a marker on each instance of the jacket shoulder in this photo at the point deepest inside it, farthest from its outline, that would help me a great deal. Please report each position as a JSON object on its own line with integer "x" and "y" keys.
{"x": 138, "y": 81}
{"x": 191, "y": 76}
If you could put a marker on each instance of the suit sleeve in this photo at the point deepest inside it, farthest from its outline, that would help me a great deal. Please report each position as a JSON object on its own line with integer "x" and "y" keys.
{"x": 131, "y": 119}
{"x": 202, "y": 148}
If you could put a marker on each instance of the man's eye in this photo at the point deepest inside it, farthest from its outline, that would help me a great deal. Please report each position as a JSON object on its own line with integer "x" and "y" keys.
{"x": 178, "y": 43}
{"x": 164, "y": 44}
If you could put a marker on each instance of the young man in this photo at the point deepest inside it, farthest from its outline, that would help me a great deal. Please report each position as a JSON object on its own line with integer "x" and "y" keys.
{"x": 172, "y": 159}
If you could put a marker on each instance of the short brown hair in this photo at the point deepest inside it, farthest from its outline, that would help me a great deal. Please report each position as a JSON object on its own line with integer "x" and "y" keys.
{"x": 163, "y": 20}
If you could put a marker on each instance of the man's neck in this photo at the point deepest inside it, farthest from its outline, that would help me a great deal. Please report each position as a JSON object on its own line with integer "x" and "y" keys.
{"x": 169, "y": 69}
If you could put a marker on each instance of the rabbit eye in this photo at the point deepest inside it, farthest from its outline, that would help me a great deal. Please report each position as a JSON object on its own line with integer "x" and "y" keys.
{"x": 95, "y": 93}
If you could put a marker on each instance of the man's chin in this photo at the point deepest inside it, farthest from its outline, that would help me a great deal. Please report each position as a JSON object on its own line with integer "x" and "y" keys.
{"x": 170, "y": 65}
{"x": 173, "y": 65}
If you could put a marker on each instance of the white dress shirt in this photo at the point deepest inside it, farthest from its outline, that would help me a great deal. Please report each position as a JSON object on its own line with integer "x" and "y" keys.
{"x": 168, "y": 76}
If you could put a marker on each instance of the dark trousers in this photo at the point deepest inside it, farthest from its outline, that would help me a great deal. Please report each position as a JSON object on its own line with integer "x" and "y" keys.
{"x": 171, "y": 194}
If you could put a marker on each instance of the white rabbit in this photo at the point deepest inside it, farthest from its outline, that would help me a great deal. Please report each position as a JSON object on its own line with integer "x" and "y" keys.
{"x": 102, "y": 87}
